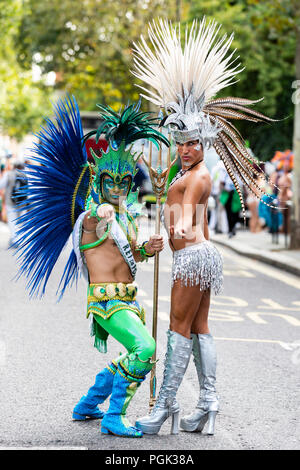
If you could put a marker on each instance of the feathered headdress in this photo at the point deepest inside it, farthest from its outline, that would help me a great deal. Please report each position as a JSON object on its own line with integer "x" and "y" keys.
{"x": 127, "y": 126}
{"x": 121, "y": 130}
{"x": 184, "y": 81}
{"x": 58, "y": 186}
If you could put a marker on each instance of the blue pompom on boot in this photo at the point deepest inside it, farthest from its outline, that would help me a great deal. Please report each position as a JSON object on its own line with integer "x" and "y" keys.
{"x": 115, "y": 421}
{"x": 87, "y": 407}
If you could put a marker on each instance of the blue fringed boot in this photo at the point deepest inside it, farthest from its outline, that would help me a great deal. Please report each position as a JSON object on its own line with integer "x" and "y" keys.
{"x": 115, "y": 421}
{"x": 87, "y": 405}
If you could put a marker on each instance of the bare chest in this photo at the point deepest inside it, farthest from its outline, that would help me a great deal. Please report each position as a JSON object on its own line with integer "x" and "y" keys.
{"x": 176, "y": 193}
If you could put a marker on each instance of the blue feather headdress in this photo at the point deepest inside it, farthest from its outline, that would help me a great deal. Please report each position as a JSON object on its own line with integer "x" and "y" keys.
{"x": 58, "y": 186}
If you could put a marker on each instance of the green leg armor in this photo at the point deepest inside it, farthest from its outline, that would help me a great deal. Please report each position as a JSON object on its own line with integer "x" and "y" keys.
{"x": 129, "y": 330}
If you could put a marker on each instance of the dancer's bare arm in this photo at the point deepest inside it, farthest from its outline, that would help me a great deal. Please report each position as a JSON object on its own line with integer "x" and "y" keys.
{"x": 155, "y": 244}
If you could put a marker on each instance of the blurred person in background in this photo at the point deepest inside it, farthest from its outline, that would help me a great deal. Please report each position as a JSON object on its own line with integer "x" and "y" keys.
{"x": 255, "y": 222}
{"x": 217, "y": 221}
{"x": 285, "y": 195}
{"x": 271, "y": 217}
{"x": 12, "y": 181}
{"x": 229, "y": 198}
{"x": 274, "y": 178}
{"x": 2, "y": 168}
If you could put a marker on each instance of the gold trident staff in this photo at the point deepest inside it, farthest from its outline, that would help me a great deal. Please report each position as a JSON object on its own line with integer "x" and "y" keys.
{"x": 158, "y": 179}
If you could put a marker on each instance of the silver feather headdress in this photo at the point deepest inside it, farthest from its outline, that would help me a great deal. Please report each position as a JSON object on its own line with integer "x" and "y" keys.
{"x": 184, "y": 81}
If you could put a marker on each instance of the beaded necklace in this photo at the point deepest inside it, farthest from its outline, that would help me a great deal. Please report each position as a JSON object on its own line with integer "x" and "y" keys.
{"x": 183, "y": 172}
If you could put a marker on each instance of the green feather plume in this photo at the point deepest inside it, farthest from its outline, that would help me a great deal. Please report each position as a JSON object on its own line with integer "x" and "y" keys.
{"x": 127, "y": 126}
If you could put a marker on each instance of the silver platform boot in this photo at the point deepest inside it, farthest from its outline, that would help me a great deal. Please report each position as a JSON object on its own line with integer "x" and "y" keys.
{"x": 205, "y": 359}
{"x": 178, "y": 353}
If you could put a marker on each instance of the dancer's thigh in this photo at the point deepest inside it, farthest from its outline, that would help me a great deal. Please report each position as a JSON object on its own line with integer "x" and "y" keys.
{"x": 185, "y": 302}
{"x": 200, "y": 322}
{"x": 127, "y": 328}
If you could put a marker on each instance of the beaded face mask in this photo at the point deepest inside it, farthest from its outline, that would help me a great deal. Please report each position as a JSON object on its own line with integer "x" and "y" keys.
{"x": 114, "y": 189}
{"x": 114, "y": 172}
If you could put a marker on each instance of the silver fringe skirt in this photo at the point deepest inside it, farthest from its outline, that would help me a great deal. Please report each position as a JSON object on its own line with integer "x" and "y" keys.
{"x": 199, "y": 264}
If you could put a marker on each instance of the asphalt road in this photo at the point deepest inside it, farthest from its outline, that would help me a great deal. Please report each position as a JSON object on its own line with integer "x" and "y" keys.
{"x": 47, "y": 361}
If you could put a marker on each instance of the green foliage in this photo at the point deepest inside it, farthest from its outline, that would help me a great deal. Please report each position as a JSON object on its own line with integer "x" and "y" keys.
{"x": 88, "y": 44}
{"x": 22, "y": 101}
{"x": 22, "y": 105}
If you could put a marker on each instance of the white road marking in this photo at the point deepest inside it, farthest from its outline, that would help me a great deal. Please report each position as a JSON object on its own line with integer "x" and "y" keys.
{"x": 164, "y": 298}
{"x": 163, "y": 316}
{"x": 237, "y": 273}
{"x": 256, "y": 317}
{"x": 272, "y": 305}
{"x": 227, "y": 301}
{"x": 225, "y": 315}
{"x": 250, "y": 340}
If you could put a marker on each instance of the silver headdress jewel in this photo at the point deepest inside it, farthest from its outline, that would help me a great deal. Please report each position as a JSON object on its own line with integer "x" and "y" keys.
{"x": 191, "y": 122}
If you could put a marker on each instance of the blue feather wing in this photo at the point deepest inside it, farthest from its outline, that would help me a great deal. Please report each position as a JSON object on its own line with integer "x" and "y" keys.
{"x": 58, "y": 185}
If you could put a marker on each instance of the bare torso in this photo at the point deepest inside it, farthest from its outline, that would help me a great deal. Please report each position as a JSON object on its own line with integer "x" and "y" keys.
{"x": 105, "y": 262}
{"x": 187, "y": 199}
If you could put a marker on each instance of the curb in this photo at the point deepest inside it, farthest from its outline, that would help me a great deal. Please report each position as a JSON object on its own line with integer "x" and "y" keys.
{"x": 260, "y": 256}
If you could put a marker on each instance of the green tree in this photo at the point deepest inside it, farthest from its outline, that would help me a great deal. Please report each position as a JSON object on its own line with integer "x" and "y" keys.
{"x": 281, "y": 18}
{"x": 22, "y": 101}
{"x": 88, "y": 44}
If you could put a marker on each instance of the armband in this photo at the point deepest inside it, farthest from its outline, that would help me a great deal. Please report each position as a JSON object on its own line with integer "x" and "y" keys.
{"x": 98, "y": 242}
{"x": 142, "y": 250}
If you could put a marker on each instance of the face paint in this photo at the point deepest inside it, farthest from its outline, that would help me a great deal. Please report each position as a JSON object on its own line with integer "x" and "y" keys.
{"x": 113, "y": 192}
{"x": 190, "y": 152}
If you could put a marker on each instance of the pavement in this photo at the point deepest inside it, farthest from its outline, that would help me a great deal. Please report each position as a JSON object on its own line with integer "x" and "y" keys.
{"x": 261, "y": 247}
